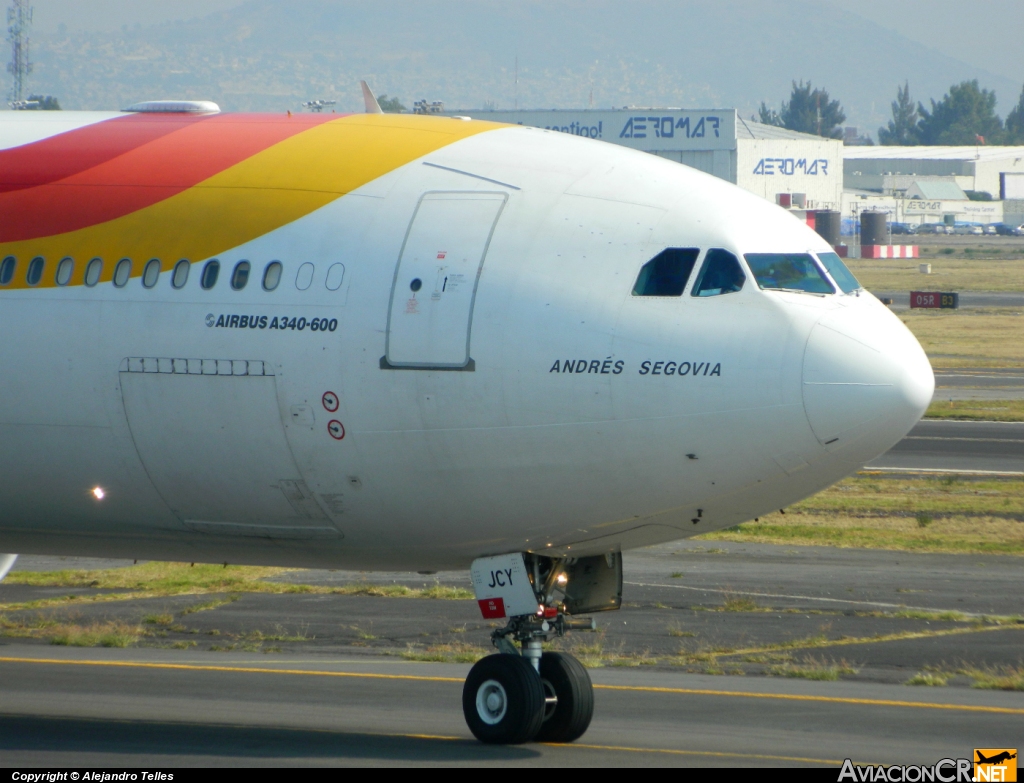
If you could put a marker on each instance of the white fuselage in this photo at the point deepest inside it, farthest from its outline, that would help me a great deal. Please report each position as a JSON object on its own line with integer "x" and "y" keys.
{"x": 216, "y": 443}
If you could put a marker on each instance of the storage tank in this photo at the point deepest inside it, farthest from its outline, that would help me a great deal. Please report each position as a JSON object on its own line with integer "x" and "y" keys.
{"x": 827, "y": 223}
{"x": 873, "y": 229}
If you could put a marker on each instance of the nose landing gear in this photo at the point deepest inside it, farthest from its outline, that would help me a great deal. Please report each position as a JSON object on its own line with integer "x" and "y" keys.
{"x": 524, "y": 693}
{"x": 511, "y": 698}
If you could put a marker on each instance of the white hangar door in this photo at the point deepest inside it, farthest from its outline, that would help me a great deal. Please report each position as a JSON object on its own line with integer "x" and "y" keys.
{"x": 210, "y": 436}
{"x": 435, "y": 283}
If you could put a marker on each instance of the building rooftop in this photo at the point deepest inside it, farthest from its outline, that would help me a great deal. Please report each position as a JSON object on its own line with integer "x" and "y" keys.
{"x": 751, "y": 129}
{"x": 932, "y": 153}
{"x": 936, "y": 189}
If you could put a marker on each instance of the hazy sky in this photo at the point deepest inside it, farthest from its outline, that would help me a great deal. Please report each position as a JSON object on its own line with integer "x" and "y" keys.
{"x": 984, "y": 33}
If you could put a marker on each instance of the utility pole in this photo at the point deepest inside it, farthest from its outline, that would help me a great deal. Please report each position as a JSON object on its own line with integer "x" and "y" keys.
{"x": 19, "y": 20}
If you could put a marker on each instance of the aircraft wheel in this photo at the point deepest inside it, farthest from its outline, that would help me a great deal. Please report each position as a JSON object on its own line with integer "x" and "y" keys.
{"x": 570, "y": 682}
{"x": 503, "y": 700}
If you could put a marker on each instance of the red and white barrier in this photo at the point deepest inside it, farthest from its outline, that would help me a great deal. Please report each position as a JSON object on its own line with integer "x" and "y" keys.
{"x": 888, "y": 251}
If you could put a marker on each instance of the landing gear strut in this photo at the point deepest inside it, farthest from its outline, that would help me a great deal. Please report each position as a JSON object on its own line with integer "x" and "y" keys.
{"x": 519, "y": 695}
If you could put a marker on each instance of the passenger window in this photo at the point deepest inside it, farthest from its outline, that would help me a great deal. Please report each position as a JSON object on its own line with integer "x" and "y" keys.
{"x": 721, "y": 274}
{"x": 210, "y": 272}
{"x": 272, "y": 275}
{"x": 122, "y": 272}
{"x": 35, "y": 270}
{"x": 64, "y": 270}
{"x": 93, "y": 271}
{"x": 840, "y": 272}
{"x": 788, "y": 272}
{"x": 151, "y": 273}
{"x": 240, "y": 276}
{"x": 180, "y": 276}
{"x": 304, "y": 276}
{"x": 7, "y": 270}
{"x": 666, "y": 274}
{"x": 334, "y": 277}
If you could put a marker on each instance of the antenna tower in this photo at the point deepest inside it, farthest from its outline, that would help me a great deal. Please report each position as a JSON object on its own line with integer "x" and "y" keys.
{"x": 19, "y": 20}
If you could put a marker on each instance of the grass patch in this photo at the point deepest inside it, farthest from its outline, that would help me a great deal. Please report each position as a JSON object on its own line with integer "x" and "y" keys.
{"x": 811, "y": 669}
{"x": 877, "y": 512}
{"x": 950, "y": 271}
{"x": 988, "y": 337}
{"x": 739, "y": 604}
{"x": 280, "y": 635}
{"x": 110, "y": 633}
{"x": 158, "y": 619}
{"x": 1003, "y": 678}
{"x": 206, "y": 606}
{"x": 977, "y": 410}
{"x": 163, "y": 579}
{"x": 927, "y": 678}
{"x": 702, "y": 654}
{"x": 630, "y": 660}
{"x": 449, "y": 652}
{"x": 589, "y": 648}
{"x": 100, "y": 634}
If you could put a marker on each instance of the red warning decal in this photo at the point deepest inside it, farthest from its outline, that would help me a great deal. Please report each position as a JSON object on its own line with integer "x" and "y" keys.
{"x": 330, "y": 401}
{"x": 336, "y": 429}
{"x": 492, "y": 608}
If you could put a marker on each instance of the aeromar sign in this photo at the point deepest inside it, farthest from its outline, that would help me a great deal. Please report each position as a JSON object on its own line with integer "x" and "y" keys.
{"x": 666, "y": 127}
{"x": 790, "y": 166}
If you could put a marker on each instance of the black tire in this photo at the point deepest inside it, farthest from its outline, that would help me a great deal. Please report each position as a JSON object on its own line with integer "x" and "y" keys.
{"x": 570, "y": 682}
{"x": 515, "y": 712}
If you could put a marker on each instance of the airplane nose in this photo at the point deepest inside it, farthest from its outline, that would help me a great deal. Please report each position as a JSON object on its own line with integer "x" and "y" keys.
{"x": 866, "y": 379}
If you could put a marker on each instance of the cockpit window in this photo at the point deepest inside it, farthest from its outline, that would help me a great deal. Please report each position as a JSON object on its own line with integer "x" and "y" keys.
{"x": 788, "y": 272}
{"x": 840, "y": 272}
{"x": 666, "y": 274}
{"x": 721, "y": 274}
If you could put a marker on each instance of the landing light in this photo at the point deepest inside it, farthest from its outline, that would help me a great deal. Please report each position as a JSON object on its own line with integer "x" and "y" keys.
{"x": 562, "y": 579}
{"x": 98, "y": 493}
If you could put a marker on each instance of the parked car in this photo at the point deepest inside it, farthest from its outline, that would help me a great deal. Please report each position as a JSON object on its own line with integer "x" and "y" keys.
{"x": 990, "y": 228}
{"x": 1009, "y": 230}
{"x": 931, "y": 228}
{"x": 968, "y": 229}
{"x": 903, "y": 228}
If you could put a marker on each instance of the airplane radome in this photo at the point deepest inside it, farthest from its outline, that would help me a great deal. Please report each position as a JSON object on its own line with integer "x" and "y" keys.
{"x": 401, "y": 342}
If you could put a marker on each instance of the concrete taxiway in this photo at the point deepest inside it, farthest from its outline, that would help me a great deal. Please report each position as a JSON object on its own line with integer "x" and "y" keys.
{"x": 341, "y": 691}
{"x": 155, "y": 710}
{"x": 958, "y": 446}
{"x": 979, "y": 383}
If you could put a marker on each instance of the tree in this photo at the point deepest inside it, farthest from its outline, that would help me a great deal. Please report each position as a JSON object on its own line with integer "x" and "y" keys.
{"x": 768, "y": 116}
{"x": 902, "y": 130}
{"x": 811, "y": 111}
{"x": 46, "y": 102}
{"x": 965, "y": 115}
{"x": 1014, "y": 126}
{"x": 390, "y": 105}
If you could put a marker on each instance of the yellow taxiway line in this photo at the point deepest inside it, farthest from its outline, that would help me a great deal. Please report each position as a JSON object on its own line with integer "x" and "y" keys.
{"x": 630, "y": 688}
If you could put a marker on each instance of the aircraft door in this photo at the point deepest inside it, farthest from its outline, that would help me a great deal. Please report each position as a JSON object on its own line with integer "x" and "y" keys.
{"x": 434, "y": 289}
{"x": 209, "y": 433}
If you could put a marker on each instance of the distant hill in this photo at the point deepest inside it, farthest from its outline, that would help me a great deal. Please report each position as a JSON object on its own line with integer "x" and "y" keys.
{"x": 270, "y": 55}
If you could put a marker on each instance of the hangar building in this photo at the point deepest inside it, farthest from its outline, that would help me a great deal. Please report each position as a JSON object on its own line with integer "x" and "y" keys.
{"x": 763, "y": 159}
{"x": 888, "y": 170}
